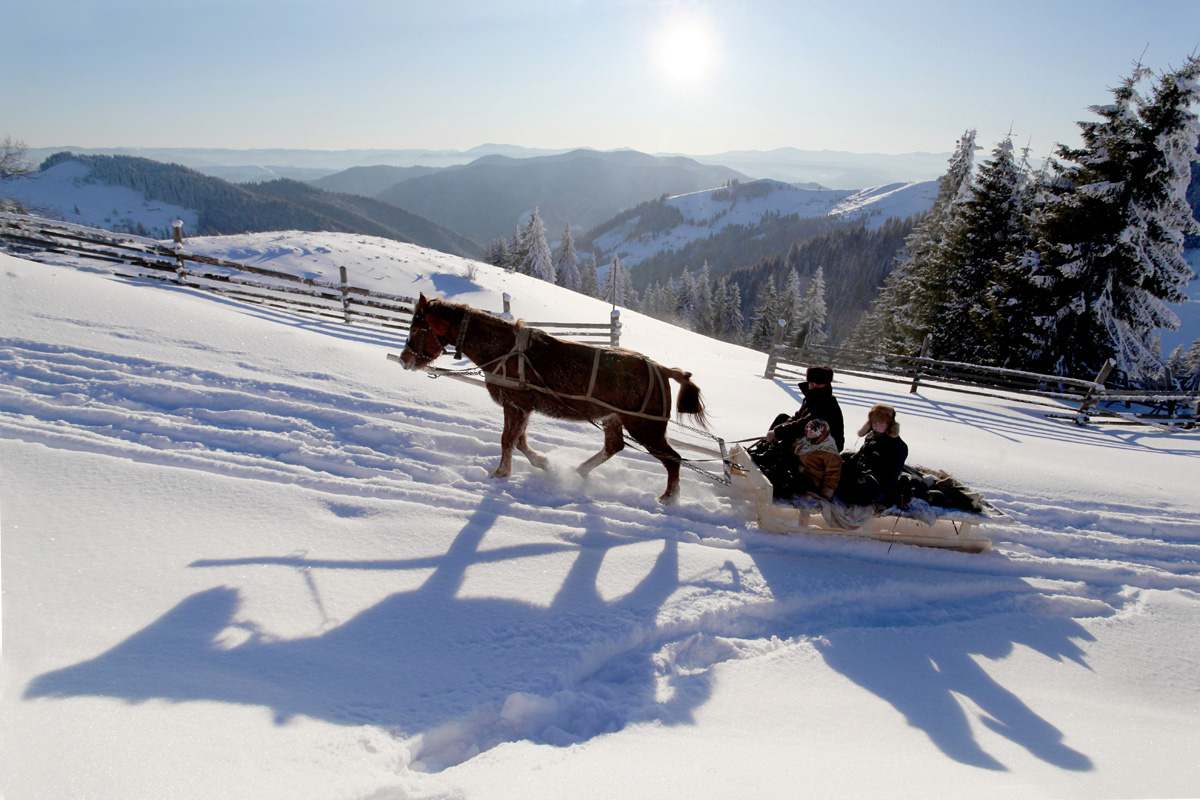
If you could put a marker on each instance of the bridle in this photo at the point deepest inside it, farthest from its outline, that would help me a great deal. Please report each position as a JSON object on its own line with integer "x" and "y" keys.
{"x": 417, "y": 346}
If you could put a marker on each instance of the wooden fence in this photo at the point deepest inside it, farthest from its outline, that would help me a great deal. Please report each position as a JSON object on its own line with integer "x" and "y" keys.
{"x": 148, "y": 258}
{"x": 1097, "y": 403}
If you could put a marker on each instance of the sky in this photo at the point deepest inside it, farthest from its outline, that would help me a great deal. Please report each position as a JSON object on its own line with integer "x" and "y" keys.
{"x": 689, "y": 77}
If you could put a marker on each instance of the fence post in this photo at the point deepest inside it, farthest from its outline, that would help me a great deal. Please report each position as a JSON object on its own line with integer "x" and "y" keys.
{"x": 772, "y": 354}
{"x": 345, "y": 295}
{"x": 614, "y": 328}
{"x": 507, "y": 306}
{"x": 926, "y": 347}
{"x": 177, "y": 236}
{"x": 1101, "y": 377}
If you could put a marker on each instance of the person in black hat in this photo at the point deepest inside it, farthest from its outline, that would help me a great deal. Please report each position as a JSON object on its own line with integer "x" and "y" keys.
{"x": 774, "y": 452}
{"x": 819, "y": 403}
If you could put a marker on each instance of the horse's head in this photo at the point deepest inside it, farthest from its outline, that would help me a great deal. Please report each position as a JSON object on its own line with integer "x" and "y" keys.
{"x": 426, "y": 336}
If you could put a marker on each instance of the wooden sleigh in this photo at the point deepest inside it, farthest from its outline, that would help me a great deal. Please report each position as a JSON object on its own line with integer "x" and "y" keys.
{"x": 945, "y": 528}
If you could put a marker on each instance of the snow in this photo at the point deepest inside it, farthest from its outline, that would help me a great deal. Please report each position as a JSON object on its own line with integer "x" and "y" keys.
{"x": 68, "y": 191}
{"x": 710, "y": 211}
{"x": 245, "y": 555}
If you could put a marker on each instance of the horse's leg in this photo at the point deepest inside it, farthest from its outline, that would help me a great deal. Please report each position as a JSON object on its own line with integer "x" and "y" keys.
{"x": 535, "y": 458}
{"x": 614, "y": 442}
{"x": 652, "y": 435}
{"x": 515, "y": 420}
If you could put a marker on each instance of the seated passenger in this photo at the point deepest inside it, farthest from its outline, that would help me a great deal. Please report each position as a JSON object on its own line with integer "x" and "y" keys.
{"x": 869, "y": 476}
{"x": 820, "y": 461}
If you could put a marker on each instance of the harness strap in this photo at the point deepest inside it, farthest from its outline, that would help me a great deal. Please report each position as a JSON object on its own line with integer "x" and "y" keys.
{"x": 595, "y": 370}
{"x": 462, "y": 335}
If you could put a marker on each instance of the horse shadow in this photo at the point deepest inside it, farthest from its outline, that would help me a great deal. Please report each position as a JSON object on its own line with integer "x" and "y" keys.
{"x": 459, "y": 674}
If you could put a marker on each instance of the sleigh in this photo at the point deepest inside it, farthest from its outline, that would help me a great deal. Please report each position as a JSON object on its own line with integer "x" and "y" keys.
{"x": 921, "y": 524}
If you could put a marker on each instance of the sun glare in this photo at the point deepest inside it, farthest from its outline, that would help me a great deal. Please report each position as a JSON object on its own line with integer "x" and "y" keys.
{"x": 687, "y": 52}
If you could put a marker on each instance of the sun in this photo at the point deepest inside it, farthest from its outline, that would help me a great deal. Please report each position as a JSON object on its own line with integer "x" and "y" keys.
{"x": 686, "y": 52}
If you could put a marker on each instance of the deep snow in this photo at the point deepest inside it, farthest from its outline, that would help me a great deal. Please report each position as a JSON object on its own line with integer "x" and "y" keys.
{"x": 244, "y": 555}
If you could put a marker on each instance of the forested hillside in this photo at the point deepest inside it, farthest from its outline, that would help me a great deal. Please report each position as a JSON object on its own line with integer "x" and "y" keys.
{"x": 222, "y": 207}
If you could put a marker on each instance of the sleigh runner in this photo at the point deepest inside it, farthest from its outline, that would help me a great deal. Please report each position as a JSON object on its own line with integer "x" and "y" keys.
{"x": 930, "y": 527}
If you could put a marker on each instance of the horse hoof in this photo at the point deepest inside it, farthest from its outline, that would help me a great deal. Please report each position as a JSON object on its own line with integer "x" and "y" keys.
{"x": 669, "y": 499}
{"x": 501, "y": 473}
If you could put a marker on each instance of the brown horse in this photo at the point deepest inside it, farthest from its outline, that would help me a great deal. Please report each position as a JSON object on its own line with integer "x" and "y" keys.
{"x": 528, "y": 370}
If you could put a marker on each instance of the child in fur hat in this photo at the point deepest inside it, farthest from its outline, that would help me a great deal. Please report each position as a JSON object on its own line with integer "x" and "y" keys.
{"x": 820, "y": 462}
{"x": 870, "y": 475}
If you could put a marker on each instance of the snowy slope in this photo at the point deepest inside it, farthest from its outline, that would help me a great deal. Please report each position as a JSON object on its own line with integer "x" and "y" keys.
{"x": 244, "y": 555}
{"x": 67, "y": 191}
{"x": 709, "y": 212}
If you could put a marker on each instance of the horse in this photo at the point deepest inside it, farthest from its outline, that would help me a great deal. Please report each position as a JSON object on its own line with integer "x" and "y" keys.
{"x": 526, "y": 369}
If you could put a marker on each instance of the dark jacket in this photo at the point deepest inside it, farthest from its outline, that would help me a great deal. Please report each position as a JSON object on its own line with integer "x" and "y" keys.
{"x": 869, "y": 476}
{"x": 818, "y": 404}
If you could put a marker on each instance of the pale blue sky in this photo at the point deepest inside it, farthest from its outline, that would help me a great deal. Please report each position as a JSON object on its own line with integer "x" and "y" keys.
{"x": 887, "y": 77}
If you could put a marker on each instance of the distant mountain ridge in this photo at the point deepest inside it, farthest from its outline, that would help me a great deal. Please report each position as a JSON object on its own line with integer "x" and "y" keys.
{"x": 836, "y": 169}
{"x": 144, "y": 196}
{"x": 490, "y": 196}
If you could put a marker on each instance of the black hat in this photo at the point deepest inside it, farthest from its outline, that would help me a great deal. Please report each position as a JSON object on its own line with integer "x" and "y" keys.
{"x": 819, "y": 375}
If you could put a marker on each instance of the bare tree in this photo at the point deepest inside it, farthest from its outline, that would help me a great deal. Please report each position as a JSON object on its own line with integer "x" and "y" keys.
{"x": 12, "y": 162}
{"x": 12, "y": 158}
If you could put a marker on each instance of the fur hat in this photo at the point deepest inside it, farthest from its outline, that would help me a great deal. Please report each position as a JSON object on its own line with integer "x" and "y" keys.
{"x": 881, "y": 413}
{"x": 819, "y": 375}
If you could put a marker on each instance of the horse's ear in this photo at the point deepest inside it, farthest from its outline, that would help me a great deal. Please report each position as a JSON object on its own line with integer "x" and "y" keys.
{"x": 420, "y": 304}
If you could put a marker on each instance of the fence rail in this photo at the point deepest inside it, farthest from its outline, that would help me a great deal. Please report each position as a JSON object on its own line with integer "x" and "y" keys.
{"x": 149, "y": 258}
{"x": 1097, "y": 403}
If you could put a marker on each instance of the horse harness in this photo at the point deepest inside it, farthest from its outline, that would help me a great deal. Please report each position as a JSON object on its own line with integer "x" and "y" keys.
{"x": 497, "y": 375}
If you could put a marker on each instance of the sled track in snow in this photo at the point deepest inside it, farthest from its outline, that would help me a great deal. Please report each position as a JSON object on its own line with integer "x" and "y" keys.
{"x": 331, "y": 440}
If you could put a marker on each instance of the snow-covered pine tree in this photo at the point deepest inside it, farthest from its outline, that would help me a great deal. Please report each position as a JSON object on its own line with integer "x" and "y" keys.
{"x": 901, "y": 315}
{"x": 791, "y": 300}
{"x": 518, "y": 249}
{"x": 702, "y": 306}
{"x": 685, "y": 299}
{"x": 1112, "y": 236}
{"x": 589, "y": 277}
{"x": 567, "y": 268}
{"x": 988, "y": 232}
{"x": 733, "y": 324}
{"x": 716, "y": 319}
{"x": 813, "y": 312}
{"x": 538, "y": 262}
{"x": 497, "y": 253}
{"x": 765, "y": 319}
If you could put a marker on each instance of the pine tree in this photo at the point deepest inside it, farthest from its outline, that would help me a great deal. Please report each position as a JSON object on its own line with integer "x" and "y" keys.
{"x": 589, "y": 277}
{"x": 685, "y": 299}
{"x": 716, "y": 320}
{"x": 1112, "y": 239}
{"x": 733, "y": 323}
{"x": 537, "y": 261}
{"x": 766, "y": 317}
{"x": 988, "y": 233}
{"x": 497, "y": 253}
{"x": 811, "y": 318}
{"x": 518, "y": 249}
{"x": 618, "y": 286}
{"x": 702, "y": 306}
{"x": 901, "y": 315}
{"x": 567, "y": 268}
{"x": 791, "y": 299}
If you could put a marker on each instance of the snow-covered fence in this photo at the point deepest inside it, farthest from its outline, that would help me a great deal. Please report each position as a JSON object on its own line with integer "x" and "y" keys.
{"x": 587, "y": 332}
{"x": 1095, "y": 400}
{"x": 148, "y": 258}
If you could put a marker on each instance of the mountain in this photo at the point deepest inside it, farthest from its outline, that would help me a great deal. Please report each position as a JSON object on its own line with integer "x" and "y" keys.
{"x": 369, "y": 181}
{"x": 138, "y": 195}
{"x": 737, "y": 224}
{"x": 490, "y": 196}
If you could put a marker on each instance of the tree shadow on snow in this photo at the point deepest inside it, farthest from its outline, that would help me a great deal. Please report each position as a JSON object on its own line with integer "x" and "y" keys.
{"x": 466, "y": 673}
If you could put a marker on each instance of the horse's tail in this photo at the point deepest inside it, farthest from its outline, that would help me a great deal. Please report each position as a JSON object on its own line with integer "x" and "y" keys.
{"x": 689, "y": 402}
